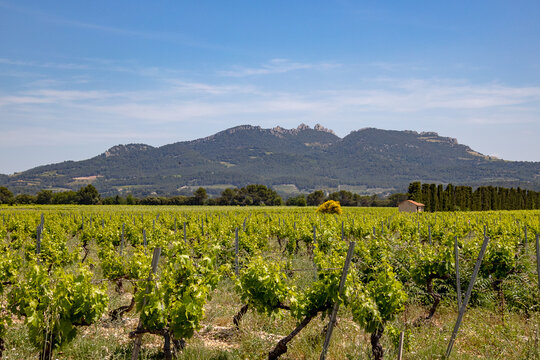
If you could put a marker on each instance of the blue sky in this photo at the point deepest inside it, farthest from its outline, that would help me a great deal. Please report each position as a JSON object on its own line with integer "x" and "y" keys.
{"x": 77, "y": 77}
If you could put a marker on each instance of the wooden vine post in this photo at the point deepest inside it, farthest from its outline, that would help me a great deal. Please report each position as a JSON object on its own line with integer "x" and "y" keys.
{"x": 315, "y": 267}
{"x": 138, "y": 337}
{"x": 38, "y": 241}
{"x": 467, "y": 297}
{"x": 336, "y": 305}
{"x": 538, "y": 260}
{"x": 458, "y": 281}
{"x": 202, "y": 227}
{"x": 400, "y": 349}
{"x": 185, "y": 237}
{"x": 236, "y": 248}
{"x": 122, "y": 239}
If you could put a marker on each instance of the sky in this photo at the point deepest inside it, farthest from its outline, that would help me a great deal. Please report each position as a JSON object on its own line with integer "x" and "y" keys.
{"x": 78, "y": 77}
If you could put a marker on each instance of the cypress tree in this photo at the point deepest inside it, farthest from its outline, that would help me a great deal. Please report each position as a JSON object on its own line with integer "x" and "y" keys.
{"x": 426, "y": 197}
{"x": 433, "y": 198}
{"x": 415, "y": 191}
{"x": 449, "y": 198}
{"x": 440, "y": 196}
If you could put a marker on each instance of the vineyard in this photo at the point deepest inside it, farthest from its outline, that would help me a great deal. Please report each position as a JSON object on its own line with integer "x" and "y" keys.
{"x": 118, "y": 282}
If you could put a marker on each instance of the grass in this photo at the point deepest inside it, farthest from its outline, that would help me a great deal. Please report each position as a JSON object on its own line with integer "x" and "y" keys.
{"x": 481, "y": 336}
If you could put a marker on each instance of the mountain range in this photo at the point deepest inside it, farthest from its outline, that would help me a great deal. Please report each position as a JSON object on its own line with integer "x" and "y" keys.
{"x": 290, "y": 160}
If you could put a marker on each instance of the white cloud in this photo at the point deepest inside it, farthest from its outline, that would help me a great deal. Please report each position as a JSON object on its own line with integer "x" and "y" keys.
{"x": 405, "y": 96}
{"x": 187, "y": 87}
{"x": 49, "y": 65}
{"x": 21, "y": 99}
{"x": 179, "y": 101}
{"x": 182, "y": 109}
{"x": 275, "y": 66}
{"x": 176, "y": 106}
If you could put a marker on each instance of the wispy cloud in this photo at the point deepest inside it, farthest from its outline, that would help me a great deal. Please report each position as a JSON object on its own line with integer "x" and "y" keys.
{"x": 182, "y": 109}
{"x": 188, "y": 87}
{"x": 53, "y": 96}
{"x": 176, "y": 100}
{"x": 275, "y": 66}
{"x": 83, "y": 69}
{"x": 413, "y": 95}
{"x": 180, "y": 100}
{"x": 49, "y": 65}
{"x": 397, "y": 67}
{"x": 170, "y": 37}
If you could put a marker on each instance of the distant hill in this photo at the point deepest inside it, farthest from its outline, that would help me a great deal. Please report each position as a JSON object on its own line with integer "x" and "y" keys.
{"x": 290, "y": 160}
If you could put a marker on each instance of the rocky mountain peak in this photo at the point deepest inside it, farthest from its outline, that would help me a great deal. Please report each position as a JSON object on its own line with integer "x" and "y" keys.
{"x": 319, "y": 127}
{"x": 123, "y": 149}
{"x": 278, "y": 130}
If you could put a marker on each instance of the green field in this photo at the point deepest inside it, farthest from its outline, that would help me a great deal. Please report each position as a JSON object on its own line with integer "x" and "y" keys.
{"x": 61, "y": 295}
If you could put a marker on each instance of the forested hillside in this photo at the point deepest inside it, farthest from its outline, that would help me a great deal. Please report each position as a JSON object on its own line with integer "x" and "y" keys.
{"x": 303, "y": 159}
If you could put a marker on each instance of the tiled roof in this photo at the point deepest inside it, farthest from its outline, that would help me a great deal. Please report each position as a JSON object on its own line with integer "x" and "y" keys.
{"x": 415, "y": 203}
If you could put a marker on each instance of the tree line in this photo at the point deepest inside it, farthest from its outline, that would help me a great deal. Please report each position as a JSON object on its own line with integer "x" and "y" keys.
{"x": 436, "y": 197}
{"x": 253, "y": 195}
{"x": 87, "y": 195}
{"x": 345, "y": 198}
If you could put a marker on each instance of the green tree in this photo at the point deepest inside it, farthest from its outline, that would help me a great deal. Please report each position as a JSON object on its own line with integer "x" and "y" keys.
{"x": 415, "y": 191}
{"x": 395, "y": 199}
{"x": 130, "y": 200}
{"x": 449, "y": 198}
{"x": 316, "y": 198}
{"x": 299, "y": 200}
{"x": 259, "y": 194}
{"x": 44, "y": 197}
{"x": 5, "y": 195}
{"x": 440, "y": 197}
{"x": 228, "y": 196}
{"x": 199, "y": 196}
{"x": 25, "y": 199}
{"x": 426, "y": 198}
{"x": 88, "y": 195}
{"x": 345, "y": 198}
{"x": 65, "y": 197}
{"x": 433, "y": 198}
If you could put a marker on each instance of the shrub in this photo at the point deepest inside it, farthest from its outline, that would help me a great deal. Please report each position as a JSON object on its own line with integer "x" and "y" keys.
{"x": 330, "y": 207}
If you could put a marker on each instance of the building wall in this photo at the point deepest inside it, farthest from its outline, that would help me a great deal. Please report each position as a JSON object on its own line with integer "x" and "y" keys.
{"x": 406, "y": 206}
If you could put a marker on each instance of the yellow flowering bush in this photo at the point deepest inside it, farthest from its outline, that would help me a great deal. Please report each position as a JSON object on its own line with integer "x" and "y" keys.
{"x": 330, "y": 207}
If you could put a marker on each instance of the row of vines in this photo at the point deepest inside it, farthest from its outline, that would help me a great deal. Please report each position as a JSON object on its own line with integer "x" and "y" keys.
{"x": 57, "y": 264}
